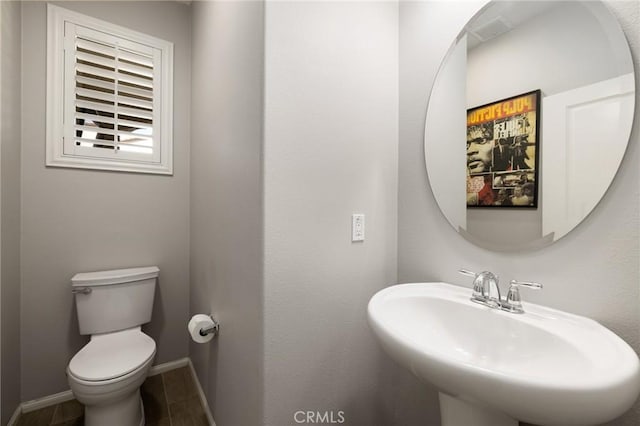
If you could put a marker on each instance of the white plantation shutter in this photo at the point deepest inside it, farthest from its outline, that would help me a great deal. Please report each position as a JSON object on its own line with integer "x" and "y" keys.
{"x": 113, "y": 84}
{"x": 116, "y": 102}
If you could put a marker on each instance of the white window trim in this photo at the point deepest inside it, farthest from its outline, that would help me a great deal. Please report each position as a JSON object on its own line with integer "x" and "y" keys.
{"x": 55, "y": 156}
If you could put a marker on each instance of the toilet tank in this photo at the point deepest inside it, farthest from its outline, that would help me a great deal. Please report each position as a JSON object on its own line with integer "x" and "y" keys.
{"x": 114, "y": 300}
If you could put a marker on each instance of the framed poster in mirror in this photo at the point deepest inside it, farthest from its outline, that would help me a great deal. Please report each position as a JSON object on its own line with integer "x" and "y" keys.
{"x": 503, "y": 143}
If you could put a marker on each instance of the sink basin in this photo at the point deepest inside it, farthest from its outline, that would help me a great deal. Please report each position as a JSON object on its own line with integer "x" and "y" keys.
{"x": 545, "y": 366}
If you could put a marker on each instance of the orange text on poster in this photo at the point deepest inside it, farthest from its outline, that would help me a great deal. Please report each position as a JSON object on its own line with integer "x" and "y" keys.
{"x": 501, "y": 110}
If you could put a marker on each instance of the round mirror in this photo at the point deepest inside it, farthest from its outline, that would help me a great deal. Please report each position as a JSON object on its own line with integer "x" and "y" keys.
{"x": 543, "y": 93}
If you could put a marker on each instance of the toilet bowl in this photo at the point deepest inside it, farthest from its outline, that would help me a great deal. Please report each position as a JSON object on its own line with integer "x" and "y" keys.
{"x": 106, "y": 374}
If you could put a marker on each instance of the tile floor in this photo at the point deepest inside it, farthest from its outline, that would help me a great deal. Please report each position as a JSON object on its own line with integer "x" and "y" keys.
{"x": 170, "y": 399}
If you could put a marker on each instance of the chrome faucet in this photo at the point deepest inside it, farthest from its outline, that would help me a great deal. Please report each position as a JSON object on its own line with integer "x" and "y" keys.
{"x": 486, "y": 291}
{"x": 485, "y": 288}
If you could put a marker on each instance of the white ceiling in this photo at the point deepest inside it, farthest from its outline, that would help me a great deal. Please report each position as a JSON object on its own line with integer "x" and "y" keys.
{"x": 502, "y": 16}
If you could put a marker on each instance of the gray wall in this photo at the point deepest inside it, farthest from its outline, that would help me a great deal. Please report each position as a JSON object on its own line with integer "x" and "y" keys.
{"x": 593, "y": 271}
{"x": 584, "y": 55}
{"x": 84, "y": 220}
{"x": 331, "y": 140}
{"x": 226, "y": 204}
{"x": 10, "y": 189}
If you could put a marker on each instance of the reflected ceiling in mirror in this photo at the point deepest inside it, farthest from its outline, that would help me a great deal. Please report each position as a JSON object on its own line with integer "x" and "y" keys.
{"x": 577, "y": 56}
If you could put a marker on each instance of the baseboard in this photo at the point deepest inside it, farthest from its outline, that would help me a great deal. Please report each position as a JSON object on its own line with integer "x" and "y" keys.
{"x": 203, "y": 398}
{"x": 167, "y": 366}
{"x": 46, "y": 401}
{"x": 60, "y": 397}
{"x": 14, "y": 418}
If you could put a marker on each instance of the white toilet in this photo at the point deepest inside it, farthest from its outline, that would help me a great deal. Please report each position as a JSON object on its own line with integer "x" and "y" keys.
{"x": 106, "y": 374}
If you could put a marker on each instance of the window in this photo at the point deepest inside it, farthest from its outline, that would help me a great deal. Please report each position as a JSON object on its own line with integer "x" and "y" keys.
{"x": 109, "y": 96}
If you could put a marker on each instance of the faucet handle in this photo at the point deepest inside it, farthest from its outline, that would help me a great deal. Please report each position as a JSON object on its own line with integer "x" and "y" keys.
{"x": 478, "y": 291}
{"x": 467, "y": 272}
{"x": 514, "y": 301}
{"x": 530, "y": 284}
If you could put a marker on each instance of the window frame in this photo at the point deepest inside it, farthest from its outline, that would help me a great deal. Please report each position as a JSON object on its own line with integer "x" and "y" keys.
{"x": 58, "y": 121}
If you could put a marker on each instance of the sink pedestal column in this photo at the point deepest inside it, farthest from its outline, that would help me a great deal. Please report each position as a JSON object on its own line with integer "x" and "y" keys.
{"x": 455, "y": 412}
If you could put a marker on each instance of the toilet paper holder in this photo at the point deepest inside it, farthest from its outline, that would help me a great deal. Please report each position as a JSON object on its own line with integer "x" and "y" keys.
{"x": 213, "y": 329}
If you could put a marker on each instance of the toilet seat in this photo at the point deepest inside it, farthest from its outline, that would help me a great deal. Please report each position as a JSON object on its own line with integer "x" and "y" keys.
{"x": 112, "y": 355}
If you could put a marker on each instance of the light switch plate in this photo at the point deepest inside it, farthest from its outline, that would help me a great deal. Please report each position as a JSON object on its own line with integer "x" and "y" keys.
{"x": 357, "y": 227}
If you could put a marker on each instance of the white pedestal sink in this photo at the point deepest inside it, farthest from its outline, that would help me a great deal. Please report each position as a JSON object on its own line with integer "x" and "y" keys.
{"x": 455, "y": 412}
{"x": 494, "y": 368}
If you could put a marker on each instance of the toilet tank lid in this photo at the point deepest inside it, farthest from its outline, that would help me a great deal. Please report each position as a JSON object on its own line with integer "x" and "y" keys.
{"x": 116, "y": 276}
